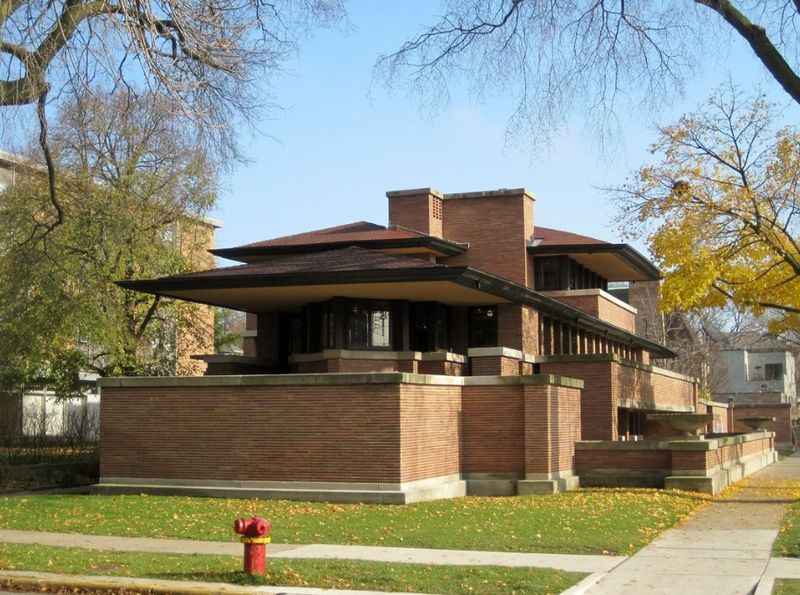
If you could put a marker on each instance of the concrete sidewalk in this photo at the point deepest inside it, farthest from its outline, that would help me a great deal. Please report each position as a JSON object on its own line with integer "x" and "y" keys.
{"x": 723, "y": 549}
{"x": 568, "y": 562}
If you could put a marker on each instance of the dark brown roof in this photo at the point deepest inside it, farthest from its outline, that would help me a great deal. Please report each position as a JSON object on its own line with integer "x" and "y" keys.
{"x": 545, "y": 236}
{"x": 343, "y": 259}
{"x": 360, "y": 233}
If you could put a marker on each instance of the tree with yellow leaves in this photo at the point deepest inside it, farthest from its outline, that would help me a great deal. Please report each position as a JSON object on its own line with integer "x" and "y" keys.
{"x": 720, "y": 209}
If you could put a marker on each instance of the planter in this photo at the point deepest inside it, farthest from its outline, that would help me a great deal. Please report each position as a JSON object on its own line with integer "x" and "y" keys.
{"x": 757, "y": 422}
{"x": 685, "y": 424}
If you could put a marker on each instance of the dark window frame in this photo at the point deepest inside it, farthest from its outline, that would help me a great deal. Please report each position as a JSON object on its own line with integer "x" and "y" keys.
{"x": 484, "y": 330}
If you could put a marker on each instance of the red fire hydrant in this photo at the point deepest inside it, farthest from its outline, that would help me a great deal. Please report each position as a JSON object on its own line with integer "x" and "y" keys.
{"x": 255, "y": 537}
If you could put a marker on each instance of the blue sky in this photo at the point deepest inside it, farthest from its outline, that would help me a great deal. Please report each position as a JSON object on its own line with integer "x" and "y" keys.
{"x": 334, "y": 149}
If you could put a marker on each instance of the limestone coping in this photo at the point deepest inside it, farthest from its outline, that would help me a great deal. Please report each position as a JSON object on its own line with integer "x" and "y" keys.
{"x": 229, "y": 358}
{"x": 378, "y": 355}
{"x": 335, "y": 379}
{"x": 495, "y": 352}
{"x": 679, "y": 444}
{"x": 354, "y": 354}
{"x": 443, "y": 356}
{"x": 591, "y": 292}
{"x": 713, "y": 403}
{"x": 414, "y": 192}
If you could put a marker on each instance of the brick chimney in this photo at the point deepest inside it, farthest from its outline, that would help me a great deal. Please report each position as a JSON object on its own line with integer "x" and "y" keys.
{"x": 420, "y": 209}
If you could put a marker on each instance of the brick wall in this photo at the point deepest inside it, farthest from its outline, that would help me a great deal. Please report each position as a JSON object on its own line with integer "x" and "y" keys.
{"x": 599, "y": 305}
{"x": 278, "y": 433}
{"x": 494, "y": 366}
{"x": 335, "y": 431}
{"x": 610, "y": 384}
{"x": 552, "y": 427}
{"x": 440, "y": 367}
{"x": 640, "y": 388}
{"x": 493, "y": 424}
{"x": 430, "y": 437}
{"x": 781, "y": 412}
{"x": 659, "y": 459}
{"x": 417, "y": 211}
{"x": 495, "y": 227}
{"x": 593, "y": 459}
{"x": 598, "y": 399}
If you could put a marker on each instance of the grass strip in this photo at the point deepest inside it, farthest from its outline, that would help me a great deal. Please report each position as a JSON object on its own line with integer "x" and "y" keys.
{"x": 334, "y": 574}
{"x": 602, "y": 521}
{"x": 786, "y": 586}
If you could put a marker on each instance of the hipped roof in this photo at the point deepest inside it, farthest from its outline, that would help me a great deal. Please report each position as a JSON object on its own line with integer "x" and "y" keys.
{"x": 296, "y": 279}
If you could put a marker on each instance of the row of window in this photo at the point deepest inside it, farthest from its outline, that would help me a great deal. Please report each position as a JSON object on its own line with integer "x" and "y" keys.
{"x": 560, "y": 338}
{"x": 379, "y": 325}
{"x": 554, "y": 273}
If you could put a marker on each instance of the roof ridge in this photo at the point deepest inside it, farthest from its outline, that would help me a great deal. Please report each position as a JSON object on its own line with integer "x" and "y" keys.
{"x": 336, "y": 229}
{"x": 566, "y": 233}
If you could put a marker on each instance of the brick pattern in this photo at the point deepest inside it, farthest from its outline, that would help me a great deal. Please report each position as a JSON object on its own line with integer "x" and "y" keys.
{"x": 602, "y": 308}
{"x": 416, "y": 213}
{"x": 643, "y": 389}
{"x": 552, "y": 426}
{"x": 781, "y": 412}
{"x": 610, "y": 385}
{"x": 518, "y": 327}
{"x": 494, "y": 366}
{"x": 430, "y": 438}
{"x": 598, "y": 398}
{"x": 622, "y": 460}
{"x": 667, "y": 460}
{"x": 279, "y": 433}
{"x": 441, "y": 367}
{"x": 492, "y": 426}
{"x": 495, "y": 228}
{"x": 351, "y": 433}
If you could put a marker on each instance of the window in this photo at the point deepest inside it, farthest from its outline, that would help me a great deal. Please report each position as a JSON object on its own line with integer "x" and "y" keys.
{"x": 547, "y": 274}
{"x": 553, "y": 273}
{"x": 380, "y": 324}
{"x": 773, "y": 371}
{"x": 368, "y": 326}
{"x": 428, "y": 326}
{"x": 483, "y": 326}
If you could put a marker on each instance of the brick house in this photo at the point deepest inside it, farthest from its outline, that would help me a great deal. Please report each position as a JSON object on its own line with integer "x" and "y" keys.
{"x": 460, "y": 349}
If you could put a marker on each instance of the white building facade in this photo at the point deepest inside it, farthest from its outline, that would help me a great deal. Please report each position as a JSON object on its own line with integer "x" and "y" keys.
{"x": 757, "y": 376}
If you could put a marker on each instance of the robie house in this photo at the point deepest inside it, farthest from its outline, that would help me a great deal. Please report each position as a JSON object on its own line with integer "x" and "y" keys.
{"x": 460, "y": 349}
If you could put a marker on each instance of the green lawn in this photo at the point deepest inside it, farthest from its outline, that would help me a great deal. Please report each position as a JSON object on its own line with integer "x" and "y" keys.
{"x": 340, "y": 574}
{"x": 786, "y": 586}
{"x": 788, "y": 542}
{"x": 613, "y": 521}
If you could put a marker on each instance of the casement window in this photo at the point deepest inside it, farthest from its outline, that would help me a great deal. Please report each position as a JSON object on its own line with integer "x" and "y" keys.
{"x": 483, "y": 326}
{"x": 368, "y": 326}
{"x": 428, "y": 326}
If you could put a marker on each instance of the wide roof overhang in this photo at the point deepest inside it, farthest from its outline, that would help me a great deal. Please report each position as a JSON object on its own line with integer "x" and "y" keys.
{"x": 409, "y": 245}
{"x": 615, "y": 262}
{"x": 457, "y": 286}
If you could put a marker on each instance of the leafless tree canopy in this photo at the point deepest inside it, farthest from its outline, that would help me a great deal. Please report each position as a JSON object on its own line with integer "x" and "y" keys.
{"x": 205, "y": 55}
{"x": 553, "y": 58}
